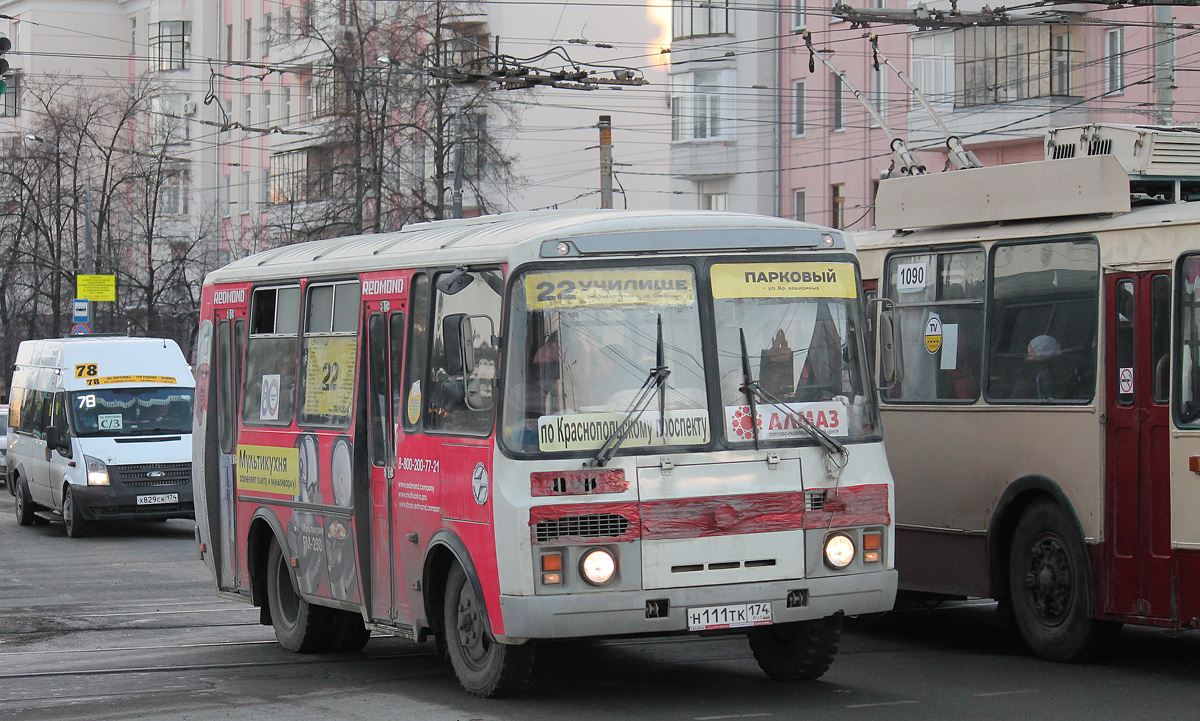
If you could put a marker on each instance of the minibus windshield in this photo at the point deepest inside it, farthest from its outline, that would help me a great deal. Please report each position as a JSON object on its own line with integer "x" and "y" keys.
{"x": 584, "y": 343}
{"x": 131, "y": 411}
{"x": 803, "y": 348}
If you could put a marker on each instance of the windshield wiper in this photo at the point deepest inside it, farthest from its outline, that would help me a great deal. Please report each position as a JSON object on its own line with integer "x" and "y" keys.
{"x": 656, "y": 380}
{"x": 753, "y": 391}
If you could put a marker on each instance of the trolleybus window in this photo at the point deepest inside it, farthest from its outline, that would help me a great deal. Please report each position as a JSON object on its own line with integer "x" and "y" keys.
{"x": 1160, "y": 335}
{"x": 1042, "y": 321}
{"x": 585, "y": 343}
{"x": 940, "y": 298}
{"x": 328, "y": 354}
{"x": 1188, "y": 387}
{"x": 463, "y": 365}
{"x": 269, "y": 387}
{"x": 800, "y": 322}
{"x": 1126, "y": 312}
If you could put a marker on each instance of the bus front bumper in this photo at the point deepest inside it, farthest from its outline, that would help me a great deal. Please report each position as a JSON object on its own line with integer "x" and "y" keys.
{"x": 109, "y": 503}
{"x": 618, "y": 613}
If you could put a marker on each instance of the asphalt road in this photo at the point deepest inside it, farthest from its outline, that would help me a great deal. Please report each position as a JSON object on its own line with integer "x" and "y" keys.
{"x": 124, "y": 624}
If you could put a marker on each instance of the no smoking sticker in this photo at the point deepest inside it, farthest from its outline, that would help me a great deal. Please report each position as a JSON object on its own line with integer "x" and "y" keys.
{"x": 1126, "y": 375}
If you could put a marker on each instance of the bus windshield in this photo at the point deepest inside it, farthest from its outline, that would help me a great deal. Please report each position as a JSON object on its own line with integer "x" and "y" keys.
{"x": 802, "y": 348}
{"x": 131, "y": 411}
{"x": 588, "y": 341}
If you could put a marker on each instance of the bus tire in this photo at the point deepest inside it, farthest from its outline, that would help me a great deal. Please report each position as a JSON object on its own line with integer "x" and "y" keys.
{"x": 350, "y": 633}
{"x": 484, "y": 668}
{"x": 1051, "y": 592}
{"x": 23, "y": 504}
{"x": 72, "y": 514}
{"x": 300, "y": 626}
{"x": 797, "y": 651}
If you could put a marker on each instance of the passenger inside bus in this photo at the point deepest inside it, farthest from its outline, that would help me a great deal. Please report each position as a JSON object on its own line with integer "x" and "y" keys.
{"x": 1045, "y": 375}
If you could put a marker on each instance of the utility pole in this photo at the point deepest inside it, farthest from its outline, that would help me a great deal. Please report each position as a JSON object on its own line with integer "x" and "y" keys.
{"x": 606, "y": 162}
{"x": 1164, "y": 63}
{"x": 89, "y": 260}
{"x": 456, "y": 194}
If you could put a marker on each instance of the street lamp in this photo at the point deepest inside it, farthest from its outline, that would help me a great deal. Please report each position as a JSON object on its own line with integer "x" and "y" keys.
{"x": 88, "y": 259}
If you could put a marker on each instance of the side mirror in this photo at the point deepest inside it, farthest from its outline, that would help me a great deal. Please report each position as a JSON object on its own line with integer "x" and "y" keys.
{"x": 891, "y": 362}
{"x": 452, "y": 340}
{"x": 57, "y": 440}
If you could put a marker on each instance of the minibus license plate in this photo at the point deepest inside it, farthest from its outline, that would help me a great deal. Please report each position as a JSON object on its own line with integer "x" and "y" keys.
{"x": 737, "y": 615}
{"x": 158, "y": 498}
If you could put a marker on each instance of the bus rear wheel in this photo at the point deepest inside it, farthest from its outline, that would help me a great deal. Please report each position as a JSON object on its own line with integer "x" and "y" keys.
{"x": 1049, "y": 582}
{"x": 797, "y": 651}
{"x": 483, "y": 666}
{"x": 299, "y": 626}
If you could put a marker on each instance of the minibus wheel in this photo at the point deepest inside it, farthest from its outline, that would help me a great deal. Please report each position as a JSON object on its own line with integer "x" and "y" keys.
{"x": 24, "y": 504}
{"x": 1051, "y": 590}
{"x": 350, "y": 633}
{"x": 483, "y": 666}
{"x": 72, "y": 515}
{"x": 300, "y": 626}
{"x": 797, "y": 651}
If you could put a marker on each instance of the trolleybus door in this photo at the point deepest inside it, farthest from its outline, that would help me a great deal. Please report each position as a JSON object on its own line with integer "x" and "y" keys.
{"x": 1137, "y": 499}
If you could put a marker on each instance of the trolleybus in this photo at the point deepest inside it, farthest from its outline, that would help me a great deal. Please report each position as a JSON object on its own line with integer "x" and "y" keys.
{"x": 546, "y": 425}
{"x": 1044, "y": 408}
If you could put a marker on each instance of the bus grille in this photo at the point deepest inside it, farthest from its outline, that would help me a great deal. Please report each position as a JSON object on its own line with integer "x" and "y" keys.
{"x": 146, "y": 475}
{"x": 814, "y": 500}
{"x": 601, "y": 525}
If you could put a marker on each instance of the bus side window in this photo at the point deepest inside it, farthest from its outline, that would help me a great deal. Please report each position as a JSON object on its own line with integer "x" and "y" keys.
{"x": 379, "y": 424}
{"x": 270, "y": 357}
{"x": 396, "y": 364}
{"x": 1187, "y": 328}
{"x": 418, "y": 349}
{"x": 447, "y": 407}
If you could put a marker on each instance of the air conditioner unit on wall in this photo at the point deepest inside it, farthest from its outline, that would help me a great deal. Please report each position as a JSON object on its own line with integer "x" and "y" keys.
{"x": 189, "y": 107}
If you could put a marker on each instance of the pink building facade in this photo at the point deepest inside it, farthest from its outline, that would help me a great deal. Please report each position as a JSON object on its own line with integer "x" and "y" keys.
{"x": 998, "y": 87}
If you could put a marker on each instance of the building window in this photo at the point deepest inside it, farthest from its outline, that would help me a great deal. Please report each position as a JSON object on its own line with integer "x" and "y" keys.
{"x": 229, "y": 43}
{"x": 1001, "y": 64}
{"x": 132, "y": 36}
{"x": 168, "y": 125}
{"x": 247, "y": 38}
{"x": 838, "y": 120}
{"x": 306, "y": 102}
{"x": 266, "y": 108}
{"x": 838, "y": 208}
{"x": 878, "y": 94}
{"x": 690, "y": 18}
{"x": 798, "y": 205}
{"x": 287, "y": 105}
{"x": 10, "y": 101}
{"x": 933, "y": 66}
{"x": 265, "y": 49}
{"x": 288, "y": 173}
{"x": 171, "y": 44}
{"x": 696, "y": 105}
{"x": 1114, "y": 60}
{"x": 224, "y": 195}
{"x": 173, "y": 193}
{"x": 798, "y": 109}
{"x": 244, "y": 192}
{"x": 714, "y": 201}
{"x": 799, "y": 14}
{"x": 247, "y": 105}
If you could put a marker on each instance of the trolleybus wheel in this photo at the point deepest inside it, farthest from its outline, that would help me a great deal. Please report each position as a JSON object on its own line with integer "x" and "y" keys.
{"x": 483, "y": 666}
{"x": 1051, "y": 596}
{"x": 72, "y": 515}
{"x": 24, "y": 504}
{"x": 797, "y": 651}
{"x": 350, "y": 634}
{"x": 299, "y": 625}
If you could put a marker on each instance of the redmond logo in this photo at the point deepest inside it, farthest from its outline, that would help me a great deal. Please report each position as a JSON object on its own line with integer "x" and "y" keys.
{"x": 226, "y": 297}
{"x": 385, "y": 286}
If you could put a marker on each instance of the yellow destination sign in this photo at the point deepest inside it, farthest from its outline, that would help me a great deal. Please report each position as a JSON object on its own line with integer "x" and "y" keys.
{"x": 96, "y": 287}
{"x": 784, "y": 280}
{"x": 329, "y": 382}
{"x": 608, "y": 286}
{"x": 267, "y": 469}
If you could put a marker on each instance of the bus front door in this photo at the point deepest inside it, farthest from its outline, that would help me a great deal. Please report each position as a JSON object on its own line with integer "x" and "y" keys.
{"x": 1137, "y": 544}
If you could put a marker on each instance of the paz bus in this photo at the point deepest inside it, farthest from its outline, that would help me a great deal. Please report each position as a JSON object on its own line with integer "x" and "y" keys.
{"x": 546, "y": 425}
{"x": 1042, "y": 390}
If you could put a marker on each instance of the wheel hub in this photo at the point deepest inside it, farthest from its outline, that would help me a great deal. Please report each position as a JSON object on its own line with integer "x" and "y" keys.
{"x": 471, "y": 636}
{"x": 1048, "y": 579}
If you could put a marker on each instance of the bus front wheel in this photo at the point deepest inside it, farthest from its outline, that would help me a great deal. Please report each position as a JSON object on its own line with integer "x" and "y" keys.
{"x": 798, "y": 651}
{"x": 24, "y": 504}
{"x": 72, "y": 515}
{"x": 483, "y": 666}
{"x": 299, "y": 626}
{"x": 1051, "y": 595}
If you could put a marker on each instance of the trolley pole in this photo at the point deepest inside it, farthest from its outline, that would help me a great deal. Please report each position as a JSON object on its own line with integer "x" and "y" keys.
{"x": 606, "y": 162}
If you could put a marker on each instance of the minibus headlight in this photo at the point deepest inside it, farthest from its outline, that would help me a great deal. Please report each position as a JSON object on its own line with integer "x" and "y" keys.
{"x": 97, "y": 472}
{"x": 839, "y": 551}
{"x": 597, "y": 566}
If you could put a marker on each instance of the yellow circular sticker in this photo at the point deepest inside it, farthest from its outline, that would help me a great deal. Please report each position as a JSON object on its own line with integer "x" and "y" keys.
{"x": 933, "y": 333}
{"x": 414, "y": 403}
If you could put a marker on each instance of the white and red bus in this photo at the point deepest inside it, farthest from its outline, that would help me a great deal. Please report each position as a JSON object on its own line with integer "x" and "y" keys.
{"x": 1045, "y": 429}
{"x": 546, "y": 425}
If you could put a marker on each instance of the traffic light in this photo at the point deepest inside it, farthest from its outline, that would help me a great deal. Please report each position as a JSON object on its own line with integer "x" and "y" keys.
{"x": 5, "y": 46}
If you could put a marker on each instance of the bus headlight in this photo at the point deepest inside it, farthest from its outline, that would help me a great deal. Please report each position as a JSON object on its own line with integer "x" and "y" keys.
{"x": 597, "y": 566}
{"x": 97, "y": 472}
{"x": 839, "y": 551}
